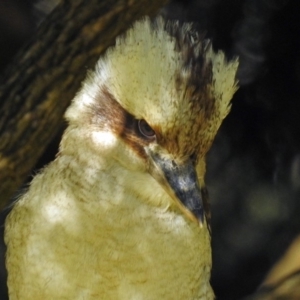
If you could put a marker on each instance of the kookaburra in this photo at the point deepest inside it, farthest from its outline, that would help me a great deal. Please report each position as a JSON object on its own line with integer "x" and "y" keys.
{"x": 120, "y": 214}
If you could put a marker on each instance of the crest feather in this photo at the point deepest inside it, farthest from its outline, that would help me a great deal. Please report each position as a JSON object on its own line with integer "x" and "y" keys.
{"x": 167, "y": 74}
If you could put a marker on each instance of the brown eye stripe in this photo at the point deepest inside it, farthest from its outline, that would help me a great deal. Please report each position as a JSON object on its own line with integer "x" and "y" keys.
{"x": 106, "y": 113}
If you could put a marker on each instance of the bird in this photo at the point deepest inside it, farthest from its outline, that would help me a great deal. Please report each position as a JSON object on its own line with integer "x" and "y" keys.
{"x": 122, "y": 212}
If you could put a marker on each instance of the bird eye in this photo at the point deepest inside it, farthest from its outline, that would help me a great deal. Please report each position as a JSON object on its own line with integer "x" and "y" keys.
{"x": 145, "y": 129}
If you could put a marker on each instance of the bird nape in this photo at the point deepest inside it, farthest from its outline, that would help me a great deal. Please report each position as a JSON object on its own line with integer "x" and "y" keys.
{"x": 121, "y": 212}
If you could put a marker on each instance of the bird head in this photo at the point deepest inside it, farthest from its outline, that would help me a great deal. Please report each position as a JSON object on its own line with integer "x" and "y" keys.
{"x": 154, "y": 103}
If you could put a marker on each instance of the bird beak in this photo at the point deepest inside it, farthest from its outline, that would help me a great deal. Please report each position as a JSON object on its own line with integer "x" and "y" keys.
{"x": 181, "y": 183}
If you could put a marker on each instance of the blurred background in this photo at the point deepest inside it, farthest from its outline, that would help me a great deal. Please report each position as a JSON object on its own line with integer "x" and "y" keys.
{"x": 253, "y": 168}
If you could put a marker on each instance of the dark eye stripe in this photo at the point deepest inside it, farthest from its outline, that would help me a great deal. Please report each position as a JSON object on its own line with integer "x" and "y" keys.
{"x": 106, "y": 113}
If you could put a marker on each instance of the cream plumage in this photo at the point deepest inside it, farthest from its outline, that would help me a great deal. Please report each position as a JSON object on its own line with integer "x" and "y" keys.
{"x": 119, "y": 214}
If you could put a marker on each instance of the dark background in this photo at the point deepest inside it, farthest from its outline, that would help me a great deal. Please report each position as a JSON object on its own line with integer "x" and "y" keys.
{"x": 253, "y": 169}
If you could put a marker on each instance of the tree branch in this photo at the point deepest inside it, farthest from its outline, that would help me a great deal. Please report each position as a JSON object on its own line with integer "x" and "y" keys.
{"x": 38, "y": 87}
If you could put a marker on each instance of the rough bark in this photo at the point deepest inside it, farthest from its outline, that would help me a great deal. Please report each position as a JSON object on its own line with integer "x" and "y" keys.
{"x": 38, "y": 87}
